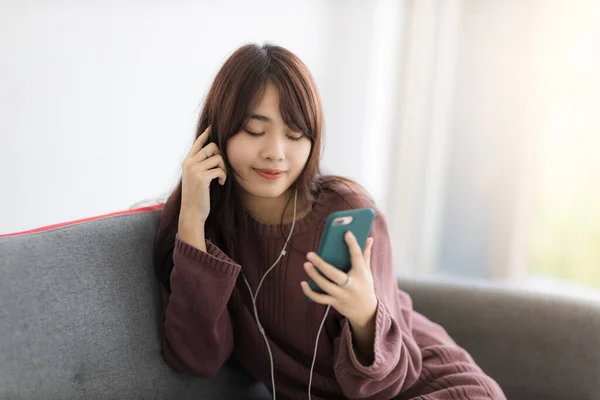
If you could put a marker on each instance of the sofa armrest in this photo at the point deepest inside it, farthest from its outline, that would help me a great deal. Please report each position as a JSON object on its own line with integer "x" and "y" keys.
{"x": 534, "y": 344}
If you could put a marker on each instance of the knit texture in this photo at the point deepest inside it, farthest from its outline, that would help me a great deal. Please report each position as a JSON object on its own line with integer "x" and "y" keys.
{"x": 208, "y": 317}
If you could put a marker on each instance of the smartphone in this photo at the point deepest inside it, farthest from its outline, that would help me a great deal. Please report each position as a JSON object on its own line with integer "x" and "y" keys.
{"x": 333, "y": 248}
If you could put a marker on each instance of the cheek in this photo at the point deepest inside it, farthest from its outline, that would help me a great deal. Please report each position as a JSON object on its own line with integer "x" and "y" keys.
{"x": 235, "y": 152}
{"x": 300, "y": 155}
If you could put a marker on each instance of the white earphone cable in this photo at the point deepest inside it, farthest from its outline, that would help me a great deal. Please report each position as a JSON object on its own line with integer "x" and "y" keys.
{"x": 260, "y": 327}
{"x": 315, "y": 353}
{"x": 254, "y": 296}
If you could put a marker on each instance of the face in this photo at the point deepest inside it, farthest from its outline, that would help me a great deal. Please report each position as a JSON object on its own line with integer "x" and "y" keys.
{"x": 266, "y": 145}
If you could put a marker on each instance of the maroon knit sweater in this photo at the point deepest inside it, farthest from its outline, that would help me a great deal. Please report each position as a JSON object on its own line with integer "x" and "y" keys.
{"x": 208, "y": 316}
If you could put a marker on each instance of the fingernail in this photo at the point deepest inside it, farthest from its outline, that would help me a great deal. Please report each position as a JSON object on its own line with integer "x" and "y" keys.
{"x": 310, "y": 256}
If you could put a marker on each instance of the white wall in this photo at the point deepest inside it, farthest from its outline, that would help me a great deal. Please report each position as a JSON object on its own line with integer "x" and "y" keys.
{"x": 98, "y": 101}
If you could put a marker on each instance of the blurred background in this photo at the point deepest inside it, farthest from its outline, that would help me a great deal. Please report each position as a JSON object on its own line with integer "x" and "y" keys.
{"x": 475, "y": 124}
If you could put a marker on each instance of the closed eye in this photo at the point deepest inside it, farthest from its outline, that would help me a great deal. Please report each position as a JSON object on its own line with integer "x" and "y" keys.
{"x": 295, "y": 139}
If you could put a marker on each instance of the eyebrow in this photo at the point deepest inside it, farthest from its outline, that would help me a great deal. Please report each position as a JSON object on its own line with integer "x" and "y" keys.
{"x": 260, "y": 118}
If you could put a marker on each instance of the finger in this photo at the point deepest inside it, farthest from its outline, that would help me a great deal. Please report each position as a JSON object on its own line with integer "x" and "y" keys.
{"x": 355, "y": 251}
{"x": 214, "y": 158}
{"x": 331, "y": 272}
{"x": 199, "y": 142}
{"x": 316, "y": 297}
{"x": 214, "y": 162}
{"x": 206, "y": 152}
{"x": 367, "y": 255}
{"x": 214, "y": 173}
{"x": 325, "y": 285}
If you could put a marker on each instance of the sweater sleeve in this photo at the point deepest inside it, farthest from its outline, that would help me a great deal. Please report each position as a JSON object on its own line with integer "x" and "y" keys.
{"x": 449, "y": 372}
{"x": 397, "y": 358}
{"x": 412, "y": 355}
{"x": 196, "y": 325}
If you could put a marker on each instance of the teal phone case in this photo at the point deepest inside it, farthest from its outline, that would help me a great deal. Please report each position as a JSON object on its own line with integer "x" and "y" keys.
{"x": 333, "y": 248}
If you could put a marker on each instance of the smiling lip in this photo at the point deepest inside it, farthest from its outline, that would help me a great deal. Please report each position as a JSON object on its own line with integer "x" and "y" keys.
{"x": 271, "y": 174}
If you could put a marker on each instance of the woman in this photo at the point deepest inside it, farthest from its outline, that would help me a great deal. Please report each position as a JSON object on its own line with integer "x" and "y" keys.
{"x": 235, "y": 247}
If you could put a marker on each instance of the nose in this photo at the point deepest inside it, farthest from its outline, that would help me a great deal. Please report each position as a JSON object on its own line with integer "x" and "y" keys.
{"x": 274, "y": 147}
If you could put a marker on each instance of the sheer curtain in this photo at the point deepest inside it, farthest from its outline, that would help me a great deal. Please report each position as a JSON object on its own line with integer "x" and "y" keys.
{"x": 486, "y": 88}
{"x": 420, "y": 150}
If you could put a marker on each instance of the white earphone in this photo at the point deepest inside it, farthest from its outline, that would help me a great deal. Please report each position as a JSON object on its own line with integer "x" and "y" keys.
{"x": 260, "y": 327}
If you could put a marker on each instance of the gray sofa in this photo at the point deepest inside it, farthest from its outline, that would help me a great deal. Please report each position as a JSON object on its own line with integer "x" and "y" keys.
{"x": 80, "y": 312}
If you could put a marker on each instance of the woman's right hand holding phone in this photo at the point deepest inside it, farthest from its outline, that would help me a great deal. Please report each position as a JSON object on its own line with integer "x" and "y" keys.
{"x": 199, "y": 168}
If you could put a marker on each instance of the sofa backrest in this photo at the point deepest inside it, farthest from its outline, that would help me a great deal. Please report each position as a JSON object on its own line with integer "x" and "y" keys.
{"x": 80, "y": 313}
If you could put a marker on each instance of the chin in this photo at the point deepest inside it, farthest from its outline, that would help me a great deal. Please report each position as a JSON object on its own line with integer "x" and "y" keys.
{"x": 266, "y": 190}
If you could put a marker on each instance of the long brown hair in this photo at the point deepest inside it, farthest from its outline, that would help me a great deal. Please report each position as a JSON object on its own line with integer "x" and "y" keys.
{"x": 236, "y": 90}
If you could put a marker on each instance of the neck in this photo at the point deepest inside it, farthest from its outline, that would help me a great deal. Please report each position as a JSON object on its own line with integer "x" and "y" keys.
{"x": 269, "y": 210}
